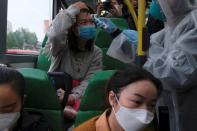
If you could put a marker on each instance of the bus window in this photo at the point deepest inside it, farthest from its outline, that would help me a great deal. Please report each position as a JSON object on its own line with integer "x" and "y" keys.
{"x": 27, "y": 23}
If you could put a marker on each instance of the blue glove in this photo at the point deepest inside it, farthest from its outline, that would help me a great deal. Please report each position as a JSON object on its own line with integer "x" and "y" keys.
{"x": 131, "y": 36}
{"x": 106, "y": 24}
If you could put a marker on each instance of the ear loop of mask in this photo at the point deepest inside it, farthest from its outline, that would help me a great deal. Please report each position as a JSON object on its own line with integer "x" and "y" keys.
{"x": 117, "y": 102}
{"x": 19, "y": 121}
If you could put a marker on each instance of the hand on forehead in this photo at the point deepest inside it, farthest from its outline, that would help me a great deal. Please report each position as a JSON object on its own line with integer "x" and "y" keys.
{"x": 80, "y": 5}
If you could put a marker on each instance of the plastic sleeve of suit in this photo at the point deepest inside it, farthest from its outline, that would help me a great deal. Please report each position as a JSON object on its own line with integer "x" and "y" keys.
{"x": 96, "y": 66}
{"x": 123, "y": 49}
{"x": 173, "y": 55}
{"x": 58, "y": 30}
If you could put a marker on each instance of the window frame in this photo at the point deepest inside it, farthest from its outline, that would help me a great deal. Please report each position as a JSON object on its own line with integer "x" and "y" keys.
{"x": 3, "y": 25}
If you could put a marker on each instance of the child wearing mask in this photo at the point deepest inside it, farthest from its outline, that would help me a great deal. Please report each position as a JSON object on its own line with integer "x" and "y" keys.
{"x": 109, "y": 8}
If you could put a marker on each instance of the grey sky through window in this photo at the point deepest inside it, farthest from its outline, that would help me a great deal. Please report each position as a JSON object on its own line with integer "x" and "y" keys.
{"x": 29, "y": 14}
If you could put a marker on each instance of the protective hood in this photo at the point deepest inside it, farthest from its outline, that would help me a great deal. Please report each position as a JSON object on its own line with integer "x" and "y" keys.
{"x": 175, "y": 10}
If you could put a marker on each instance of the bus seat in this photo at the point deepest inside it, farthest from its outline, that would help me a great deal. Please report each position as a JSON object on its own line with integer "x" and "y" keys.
{"x": 120, "y": 22}
{"x": 110, "y": 63}
{"x": 44, "y": 42}
{"x": 102, "y": 39}
{"x": 41, "y": 97}
{"x": 93, "y": 101}
{"x": 43, "y": 63}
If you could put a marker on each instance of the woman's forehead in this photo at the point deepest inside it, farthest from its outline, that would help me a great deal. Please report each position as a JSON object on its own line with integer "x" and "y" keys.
{"x": 143, "y": 87}
{"x": 7, "y": 94}
{"x": 83, "y": 17}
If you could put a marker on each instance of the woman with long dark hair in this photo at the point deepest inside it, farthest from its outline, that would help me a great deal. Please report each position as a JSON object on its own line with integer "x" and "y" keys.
{"x": 131, "y": 96}
{"x": 71, "y": 45}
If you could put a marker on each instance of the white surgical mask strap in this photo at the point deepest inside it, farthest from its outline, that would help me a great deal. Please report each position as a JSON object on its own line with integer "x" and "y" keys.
{"x": 117, "y": 99}
{"x": 117, "y": 102}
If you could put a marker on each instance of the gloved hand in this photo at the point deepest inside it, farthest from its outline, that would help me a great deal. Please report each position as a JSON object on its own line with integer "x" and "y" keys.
{"x": 131, "y": 36}
{"x": 106, "y": 24}
{"x": 130, "y": 49}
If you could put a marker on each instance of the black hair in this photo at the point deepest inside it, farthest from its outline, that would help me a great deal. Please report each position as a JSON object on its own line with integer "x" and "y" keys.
{"x": 14, "y": 79}
{"x": 72, "y": 38}
{"x": 122, "y": 78}
{"x": 73, "y": 43}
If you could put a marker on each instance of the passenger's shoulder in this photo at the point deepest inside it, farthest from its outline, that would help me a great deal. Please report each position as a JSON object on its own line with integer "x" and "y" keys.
{"x": 183, "y": 27}
{"x": 194, "y": 13}
{"x": 190, "y": 18}
{"x": 157, "y": 34}
{"x": 34, "y": 121}
{"x": 89, "y": 125}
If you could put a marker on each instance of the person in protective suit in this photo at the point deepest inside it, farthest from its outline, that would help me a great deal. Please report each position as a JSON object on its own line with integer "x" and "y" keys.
{"x": 172, "y": 58}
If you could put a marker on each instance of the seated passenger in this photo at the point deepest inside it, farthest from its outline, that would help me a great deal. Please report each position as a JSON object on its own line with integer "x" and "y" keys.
{"x": 117, "y": 8}
{"x": 12, "y": 116}
{"x": 109, "y": 8}
{"x": 132, "y": 97}
{"x": 155, "y": 19}
{"x": 73, "y": 51}
{"x": 127, "y": 15}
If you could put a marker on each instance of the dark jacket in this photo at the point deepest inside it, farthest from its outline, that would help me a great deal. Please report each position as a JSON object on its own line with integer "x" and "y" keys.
{"x": 32, "y": 121}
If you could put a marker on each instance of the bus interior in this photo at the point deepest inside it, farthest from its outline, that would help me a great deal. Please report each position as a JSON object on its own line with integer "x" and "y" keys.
{"x": 41, "y": 94}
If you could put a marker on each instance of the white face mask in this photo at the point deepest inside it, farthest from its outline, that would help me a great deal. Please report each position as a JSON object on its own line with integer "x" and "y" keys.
{"x": 7, "y": 120}
{"x": 133, "y": 119}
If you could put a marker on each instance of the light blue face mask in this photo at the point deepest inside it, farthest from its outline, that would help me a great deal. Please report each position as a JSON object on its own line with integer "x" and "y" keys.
{"x": 156, "y": 11}
{"x": 87, "y": 32}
